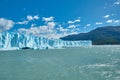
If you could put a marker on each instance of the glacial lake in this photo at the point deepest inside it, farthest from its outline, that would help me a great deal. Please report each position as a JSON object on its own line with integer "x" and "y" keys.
{"x": 83, "y": 63}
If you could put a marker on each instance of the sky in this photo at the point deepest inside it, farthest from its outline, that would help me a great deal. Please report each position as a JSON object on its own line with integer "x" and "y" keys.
{"x": 57, "y": 18}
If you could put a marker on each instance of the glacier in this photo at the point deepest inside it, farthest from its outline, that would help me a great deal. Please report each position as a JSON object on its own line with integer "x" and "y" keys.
{"x": 14, "y": 40}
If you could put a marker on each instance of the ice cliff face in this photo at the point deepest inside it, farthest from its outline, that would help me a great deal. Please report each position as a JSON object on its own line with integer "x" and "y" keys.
{"x": 18, "y": 41}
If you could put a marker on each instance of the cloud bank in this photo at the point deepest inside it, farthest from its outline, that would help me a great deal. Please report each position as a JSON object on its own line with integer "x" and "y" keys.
{"x": 5, "y": 24}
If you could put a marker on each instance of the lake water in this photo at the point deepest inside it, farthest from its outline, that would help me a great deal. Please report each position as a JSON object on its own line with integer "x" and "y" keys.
{"x": 84, "y": 63}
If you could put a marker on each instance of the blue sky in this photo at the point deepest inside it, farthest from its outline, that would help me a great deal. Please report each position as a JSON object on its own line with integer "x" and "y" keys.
{"x": 57, "y": 18}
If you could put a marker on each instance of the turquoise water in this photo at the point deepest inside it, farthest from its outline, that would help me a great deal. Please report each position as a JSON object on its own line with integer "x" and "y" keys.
{"x": 85, "y": 63}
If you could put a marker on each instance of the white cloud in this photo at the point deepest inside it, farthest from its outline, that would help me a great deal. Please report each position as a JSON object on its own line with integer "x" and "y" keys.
{"x": 117, "y": 2}
{"x": 48, "y": 19}
{"x": 109, "y": 21}
{"x": 98, "y": 23}
{"x": 50, "y": 29}
{"x": 6, "y": 24}
{"x": 23, "y": 22}
{"x": 30, "y": 18}
{"x": 51, "y": 24}
{"x": 45, "y": 30}
{"x": 33, "y": 25}
{"x": 23, "y": 30}
{"x": 72, "y": 26}
{"x": 77, "y": 20}
{"x": 116, "y": 21}
{"x": 36, "y": 17}
{"x": 62, "y": 29}
{"x": 106, "y": 16}
{"x": 72, "y": 22}
{"x": 74, "y": 32}
{"x": 88, "y": 25}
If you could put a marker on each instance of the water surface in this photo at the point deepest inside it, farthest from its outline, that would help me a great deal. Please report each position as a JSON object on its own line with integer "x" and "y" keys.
{"x": 84, "y": 63}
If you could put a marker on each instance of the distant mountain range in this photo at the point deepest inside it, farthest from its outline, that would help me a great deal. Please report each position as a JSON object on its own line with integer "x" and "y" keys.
{"x": 98, "y": 36}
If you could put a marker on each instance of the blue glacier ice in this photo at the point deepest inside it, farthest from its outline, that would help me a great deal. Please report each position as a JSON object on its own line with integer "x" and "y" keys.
{"x": 14, "y": 40}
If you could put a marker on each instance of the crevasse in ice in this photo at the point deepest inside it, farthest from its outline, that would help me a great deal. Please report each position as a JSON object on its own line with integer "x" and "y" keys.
{"x": 9, "y": 40}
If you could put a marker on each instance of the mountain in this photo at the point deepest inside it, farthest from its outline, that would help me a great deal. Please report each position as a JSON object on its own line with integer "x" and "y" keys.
{"x": 25, "y": 41}
{"x": 98, "y": 36}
